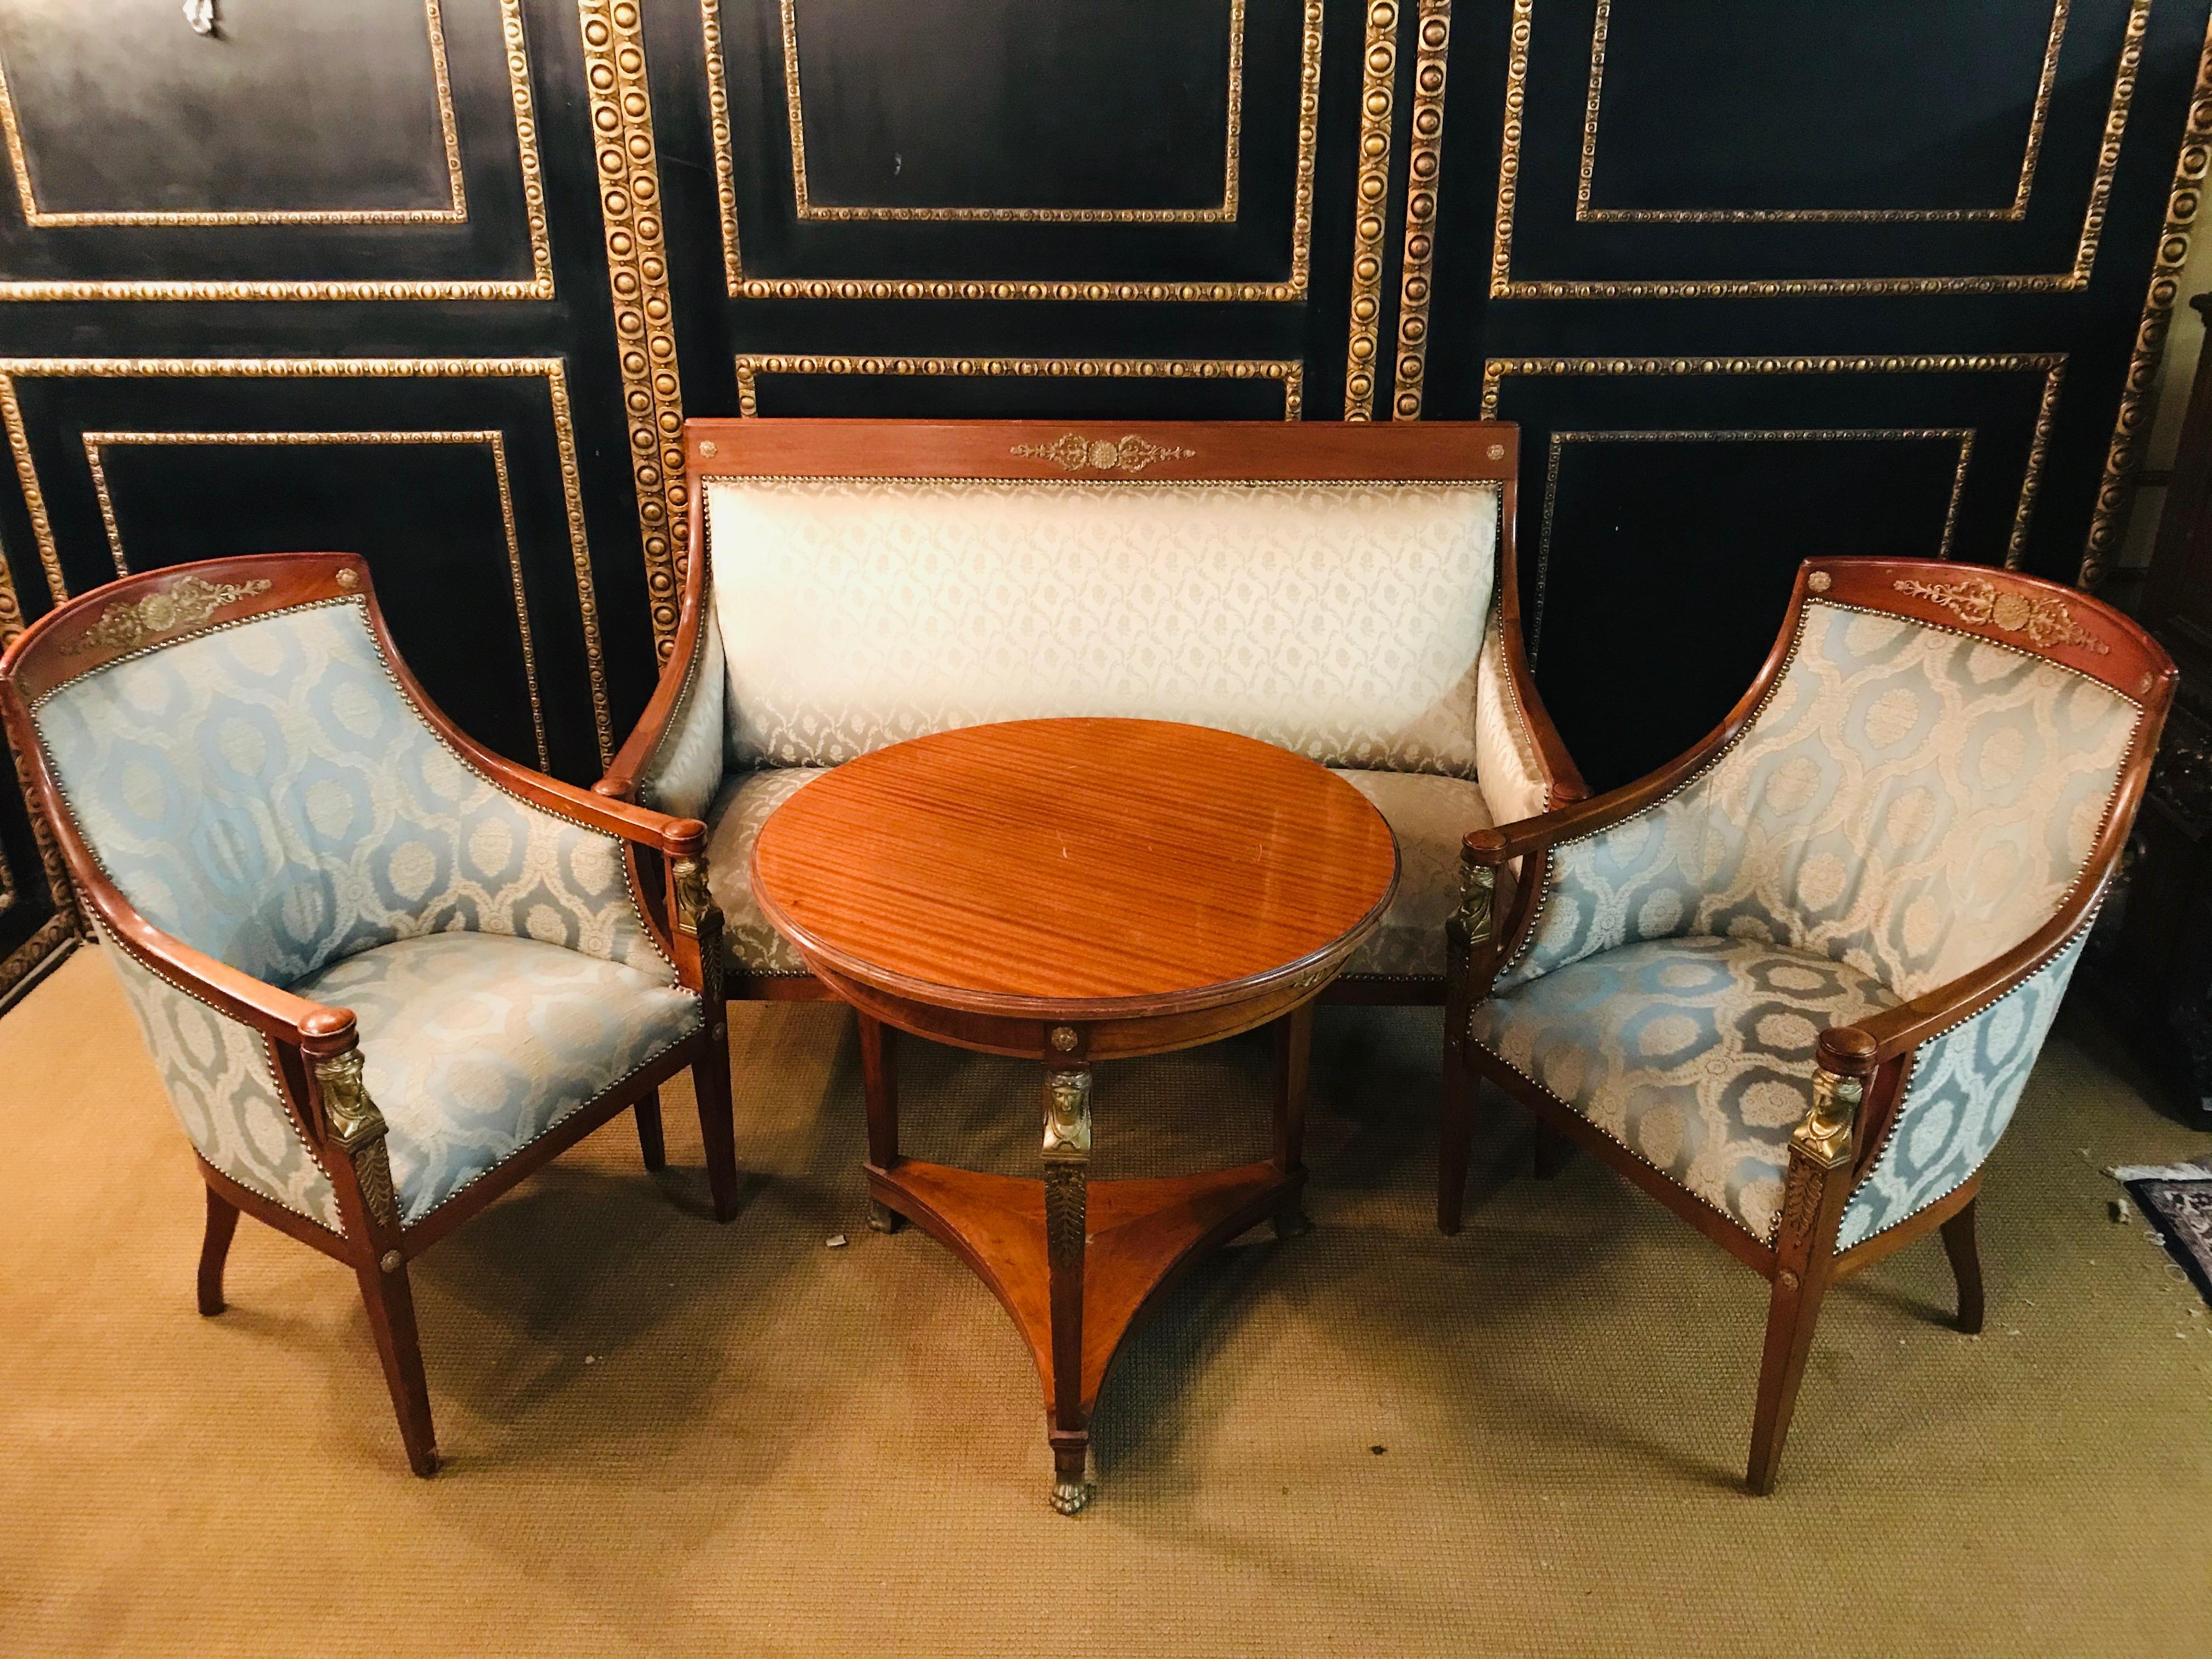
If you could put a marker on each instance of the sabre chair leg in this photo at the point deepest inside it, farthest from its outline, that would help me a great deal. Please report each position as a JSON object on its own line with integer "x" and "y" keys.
{"x": 1454, "y": 1143}
{"x": 649, "y": 1140}
{"x": 390, "y": 1304}
{"x": 222, "y": 1223}
{"x": 1792, "y": 1310}
{"x": 1965, "y": 1267}
{"x": 710, "y": 1081}
{"x": 1293, "y": 1065}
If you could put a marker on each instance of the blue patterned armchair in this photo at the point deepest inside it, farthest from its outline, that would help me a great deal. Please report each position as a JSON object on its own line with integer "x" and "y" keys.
{"x": 383, "y": 975}
{"x": 1793, "y": 984}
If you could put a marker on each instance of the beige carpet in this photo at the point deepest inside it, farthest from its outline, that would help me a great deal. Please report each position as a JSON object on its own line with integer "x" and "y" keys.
{"x": 666, "y": 1437}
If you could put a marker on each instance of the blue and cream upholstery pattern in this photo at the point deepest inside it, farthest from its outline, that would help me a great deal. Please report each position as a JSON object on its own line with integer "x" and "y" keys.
{"x": 1964, "y": 1088}
{"x": 265, "y": 791}
{"x": 1356, "y": 624}
{"x": 681, "y": 776}
{"x": 1908, "y": 803}
{"x": 475, "y": 1044}
{"x": 222, "y": 1084}
{"x": 1696, "y": 1054}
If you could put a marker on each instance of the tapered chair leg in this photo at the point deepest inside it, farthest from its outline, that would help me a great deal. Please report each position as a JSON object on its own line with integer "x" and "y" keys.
{"x": 221, "y": 1223}
{"x": 1456, "y": 1142}
{"x": 649, "y": 1141}
{"x": 710, "y": 1081}
{"x": 1965, "y": 1267}
{"x": 390, "y": 1304}
{"x": 1792, "y": 1312}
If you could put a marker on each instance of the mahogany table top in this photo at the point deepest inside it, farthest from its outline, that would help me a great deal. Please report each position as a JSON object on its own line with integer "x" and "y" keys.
{"x": 1076, "y": 868}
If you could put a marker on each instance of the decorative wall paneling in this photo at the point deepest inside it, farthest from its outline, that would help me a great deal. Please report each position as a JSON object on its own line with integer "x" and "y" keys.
{"x": 438, "y": 279}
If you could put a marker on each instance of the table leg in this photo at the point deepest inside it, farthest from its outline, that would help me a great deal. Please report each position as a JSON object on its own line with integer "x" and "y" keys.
{"x": 1293, "y": 1052}
{"x": 879, "y": 1080}
{"x": 1066, "y": 1176}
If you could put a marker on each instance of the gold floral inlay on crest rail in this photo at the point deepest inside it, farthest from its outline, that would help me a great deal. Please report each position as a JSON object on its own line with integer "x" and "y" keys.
{"x": 1073, "y": 451}
{"x": 190, "y": 601}
{"x": 1981, "y": 602}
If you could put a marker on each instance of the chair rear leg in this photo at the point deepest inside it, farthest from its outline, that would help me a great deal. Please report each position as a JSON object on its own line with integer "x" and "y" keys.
{"x": 1792, "y": 1312}
{"x": 390, "y": 1304}
{"x": 1965, "y": 1267}
{"x": 710, "y": 1081}
{"x": 1454, "y": 1142}
{"x": 221, "y": 1223}
{"x": 649, "y": 1141}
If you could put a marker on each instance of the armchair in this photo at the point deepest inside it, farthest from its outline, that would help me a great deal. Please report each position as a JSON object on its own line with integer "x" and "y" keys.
{"x": 383, "y": 975}
{"x": 1792, "y": 985}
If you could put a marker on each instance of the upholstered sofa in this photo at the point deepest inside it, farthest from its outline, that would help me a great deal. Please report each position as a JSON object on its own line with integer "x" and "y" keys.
{"x": 1348, "y": 591}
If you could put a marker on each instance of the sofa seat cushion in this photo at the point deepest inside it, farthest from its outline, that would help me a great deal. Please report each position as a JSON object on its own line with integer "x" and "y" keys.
{"x": 1696, "y": 1055}
{"x": 1430, "y": 815}
{"x": 475, "y": 1044}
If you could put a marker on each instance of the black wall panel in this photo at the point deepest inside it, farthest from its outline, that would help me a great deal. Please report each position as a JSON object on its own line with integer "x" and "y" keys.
{"x": 437, "y": 280}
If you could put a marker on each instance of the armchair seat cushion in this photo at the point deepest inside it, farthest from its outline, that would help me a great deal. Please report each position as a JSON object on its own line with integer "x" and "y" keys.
{"x": 1696, "y": 1054}
{"x": 475, "y": 1044}
{"x": 1430, "y": 815}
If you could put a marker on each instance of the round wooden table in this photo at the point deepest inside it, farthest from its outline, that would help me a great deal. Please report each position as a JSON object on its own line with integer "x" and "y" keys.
{"x": 1072, "y": 890}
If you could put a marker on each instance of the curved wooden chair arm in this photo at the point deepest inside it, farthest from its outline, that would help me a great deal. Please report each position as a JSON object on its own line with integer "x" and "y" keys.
{"x": 269, "y": 1009}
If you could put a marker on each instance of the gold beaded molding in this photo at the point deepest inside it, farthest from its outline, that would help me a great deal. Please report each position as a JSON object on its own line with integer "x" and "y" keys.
{"x": 1504, "y": 286}
{"x": 637, "y": 272}
{"x": 1424, "y": 170}
{"x": 1377, "y": 97}
{"x": 538, "y": 285}
{"x": 2052, "y": 365}
{"x": 1288, "y": 373}
{"x": 2132, "y": 425}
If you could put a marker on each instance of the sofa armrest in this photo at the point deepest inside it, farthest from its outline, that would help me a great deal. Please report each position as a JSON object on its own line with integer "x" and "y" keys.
{"x": 672, "y": 758}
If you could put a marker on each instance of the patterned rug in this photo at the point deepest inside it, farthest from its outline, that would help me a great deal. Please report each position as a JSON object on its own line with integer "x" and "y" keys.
{"x": 2178, "y": 1201}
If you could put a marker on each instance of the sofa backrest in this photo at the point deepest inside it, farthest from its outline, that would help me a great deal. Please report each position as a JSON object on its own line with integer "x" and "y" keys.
{"x": 1341, "y": 619}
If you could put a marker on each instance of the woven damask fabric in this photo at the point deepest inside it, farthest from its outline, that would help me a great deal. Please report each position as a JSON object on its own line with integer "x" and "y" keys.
{"x": 217, "y": 1074}
{"x": 1909, "y": 800}
{"x": 683, "y": 771}
{"x": 266, "y": 793}
{"x": 1505, "y": 751}
{"x": 1696, "y": 1055}
{"x": 475, "y": 1044}
{"x": 1430, "y": 815}
{"x": 1964, "y": 1087}
{"x": 1342, "y": 621}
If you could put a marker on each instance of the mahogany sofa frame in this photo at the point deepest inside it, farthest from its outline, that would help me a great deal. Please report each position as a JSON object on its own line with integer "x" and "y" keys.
{"x": 1877, "y": 1052}
{"x": 315, "y": 1048}
{"x": 1482, "y": 452}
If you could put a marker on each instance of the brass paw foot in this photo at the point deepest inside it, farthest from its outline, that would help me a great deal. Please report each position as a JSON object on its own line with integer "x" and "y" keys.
{"x": 1070, "y": 1496}
{"x": 883, "y": 1218}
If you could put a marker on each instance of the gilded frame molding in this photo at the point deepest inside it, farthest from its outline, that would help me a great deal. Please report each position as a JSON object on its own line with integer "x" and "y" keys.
{"x": 2132, "y": 423}
{"x": 2052, "y": 365}
{"x": 63, "y": 923}
{"x": 491, "y": 437}
{"x": 538, "y": 285}
{"x": 552, "y": 370}
{"x": 456, "y": 212}
{"x": 739, "y": 286}
{"x": 1224, "y": 214}
{"x": 1424, "y": 176}
{"x": 621, "y": 99}
{"x": 1288, "y": 373}
{"x": 2039, "y": 113}
{"x": 1964, "y": 436}
{"x": 1504, "y": 286}
{"x": 1378, "y": 91}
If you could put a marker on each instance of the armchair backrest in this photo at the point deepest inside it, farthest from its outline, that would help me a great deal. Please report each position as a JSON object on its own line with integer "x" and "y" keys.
{"x": 235, "y": 748}
{"x": 1916, "y": 785}
{"x": 1326, "y": 588}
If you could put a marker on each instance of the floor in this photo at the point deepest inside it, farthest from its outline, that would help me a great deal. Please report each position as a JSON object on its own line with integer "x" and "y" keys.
{"x": 665, "y": 1436}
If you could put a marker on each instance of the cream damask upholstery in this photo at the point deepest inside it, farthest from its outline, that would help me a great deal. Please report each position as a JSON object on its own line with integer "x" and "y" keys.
{"x": 1353, "y": 623}
{"x": 266, "y": 792}
{"x": 1908, "y": 803}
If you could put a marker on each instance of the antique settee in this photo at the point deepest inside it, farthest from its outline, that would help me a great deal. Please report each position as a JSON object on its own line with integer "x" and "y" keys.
{"x": 1348, "y": 591}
